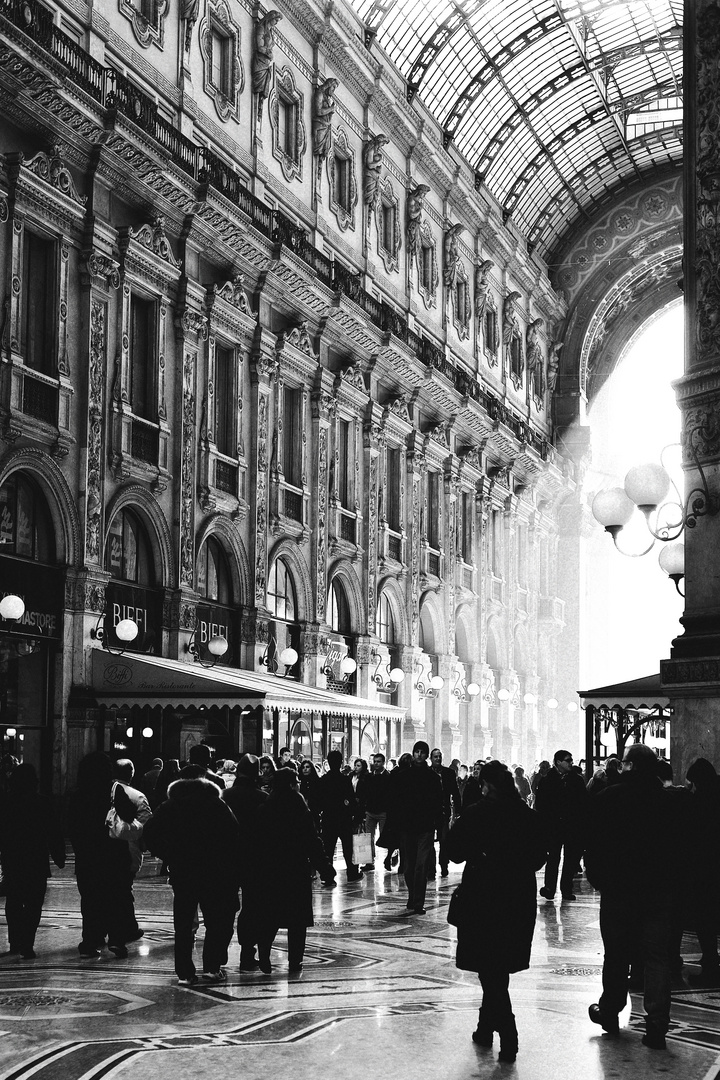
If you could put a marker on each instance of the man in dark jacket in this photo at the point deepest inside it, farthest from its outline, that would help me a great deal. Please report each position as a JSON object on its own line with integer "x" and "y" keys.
{"x": 245, "y": 799}
{"x": 417, "y": 808}
{"x": 562, "y": 800}
{"x": 197, "y": 835}
{"x": 339, "y": 813}
{"x": 450, "y": 810}
{"x": 376, "y": 798}
{"x": 635, "y": 856}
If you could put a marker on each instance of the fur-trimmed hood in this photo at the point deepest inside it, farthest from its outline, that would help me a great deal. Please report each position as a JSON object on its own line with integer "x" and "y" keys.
{"x": 193, "y": 791}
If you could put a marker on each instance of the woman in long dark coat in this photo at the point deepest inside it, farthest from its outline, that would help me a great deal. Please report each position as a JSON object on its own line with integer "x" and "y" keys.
{"x": 289, "y": 847}
{"x": 500, "y": 841}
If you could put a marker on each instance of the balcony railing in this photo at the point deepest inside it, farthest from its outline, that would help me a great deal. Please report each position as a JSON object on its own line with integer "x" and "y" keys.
{"x": 433, "y": 563}
{"x": 293, "y": 505}
{"x": 145, "y": 442}
{"x": 348, "y": 530}
{"x": 394, "y": 547}
{"x": 226, "y": 477}
{"x": 393, "y": 321}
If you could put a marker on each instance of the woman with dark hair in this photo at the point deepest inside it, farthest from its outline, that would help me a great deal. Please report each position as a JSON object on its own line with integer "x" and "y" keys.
{"x": 310, "y": 789}
{"x": 102, "y": 864}
{"x": 288, "y": 848}
{"x": 500, "y": 841}
{"x": 704, "y": 783}
{"x": 30, "y": 836}
{"x": 268, "y": 768}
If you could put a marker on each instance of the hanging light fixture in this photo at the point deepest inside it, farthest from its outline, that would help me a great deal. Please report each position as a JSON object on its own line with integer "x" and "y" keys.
{"x": 217, "y": 646}
{"x": 462, "y": 690}
{"x": 646, "y": 487}
{"x": 270, "y": 659}
{"x": 386, "y": 679}
{"x": 125, "y": 631}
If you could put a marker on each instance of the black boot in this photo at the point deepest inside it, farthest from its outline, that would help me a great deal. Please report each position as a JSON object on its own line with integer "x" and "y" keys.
{"x": 508, "y": 1040}
{"x": 483, "y": 1033}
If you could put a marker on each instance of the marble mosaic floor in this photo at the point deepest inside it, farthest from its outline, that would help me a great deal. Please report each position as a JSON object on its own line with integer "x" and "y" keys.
{"x": 379, "y": 996}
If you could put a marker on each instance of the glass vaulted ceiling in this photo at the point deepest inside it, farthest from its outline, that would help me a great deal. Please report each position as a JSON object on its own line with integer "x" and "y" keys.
{"x": 555, "y": 103}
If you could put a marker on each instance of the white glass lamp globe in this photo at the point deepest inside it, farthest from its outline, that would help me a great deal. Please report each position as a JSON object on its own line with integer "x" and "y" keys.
{"x": 503, "y": 695}
{"x": 289, "y": 657}
{"x": 126, "y": 630}
{"x": 397, "y": 675}
{"x": 473, "y": 689}
{"x": 672, "y": 560}
{"x": 552, "y": 703}
{"x": 612, "y": 508}
{"x": 529, "y": 699}
{"x": 147, "y": 733}
{"x": 218, "y": 645}
{"x": 12, "y": 607}
{"x": 572, "y": 706}
{"x": 647, "y": 485}
{"x": 437, "y": 682}
{"x": 347, "y": 665}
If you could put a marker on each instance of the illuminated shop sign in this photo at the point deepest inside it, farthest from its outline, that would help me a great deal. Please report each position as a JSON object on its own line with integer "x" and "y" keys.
{"x": 41, "y": 589}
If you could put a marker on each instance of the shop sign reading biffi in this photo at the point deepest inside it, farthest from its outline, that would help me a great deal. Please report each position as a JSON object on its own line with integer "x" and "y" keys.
{"x": 213, "y": 621}
{"x": 41, "y": 588}
{"x": 143, "y": 607}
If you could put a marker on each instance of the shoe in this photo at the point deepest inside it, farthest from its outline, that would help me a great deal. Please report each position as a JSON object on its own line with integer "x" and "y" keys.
{"x": 356, "y": 877}
{"x": 654, "y": 1039}
{"x": 418, "y": 911}
{"x": 508, "y": 1041}
{"x": 547, "y": 894}
{"x": 88, "y": 953}
{"x": 190, "y": 980}
{"x": 214, "y": 976}
{"x": 569, "y": 896}
{"x": 29, "y": 954}
{"x": 705, "y": 977}
{"x": 119, "y": 950}
{"x": 265, "y": 964}
{"x": 369, "y": 868}
{"x": 607, "y": 1023}
{"x": 444, "y": 873}
{"x": 482, "y": 1036}
{"x": 135, "y": 937}
{"x": 329, "y": 883}
{"x": 249, "y": 965}
{"x": 295, "y": 969}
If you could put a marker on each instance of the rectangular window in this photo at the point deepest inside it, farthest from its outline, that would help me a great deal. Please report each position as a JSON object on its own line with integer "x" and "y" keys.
{"x": 460, "y": 302}
{"x": 142, "y": 358}
{"x": 393, "y": 483}
{"x": 426, "y": 268}
{"x": 388, "y": 228}
{"x": 344, "y": 485}
{"x": 225, "y": 401}
{"x": 521, "y": 555}
{"x": 432, "y": 524}
{"x": 39, "y": 300}
{"x": 516, "y": 359}
{"x": 292, "y": 434}
{"x": 342, "y": 182}
{"x": 465, "y": 526}
{"x": 496, "y": 543}
{"x": 287, "y": 129}
{"x": 491, "y": 331}
{"x": 220, "y": 60}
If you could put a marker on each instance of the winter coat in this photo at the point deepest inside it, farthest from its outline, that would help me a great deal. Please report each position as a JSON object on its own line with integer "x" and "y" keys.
{"x": 245, "y": 800}
{"x": 639, "y": 839}
{"x": 337, "y": 799}
{"x": 562, "y": 803}
{"x": 30, "y": 835}
{"x": 450, "y": 791}
{"x": 96, "y": 852}
{"x": 502, "y": 844}
{"x": 289, "y": 849}
{"x": 417, "y": 803}
{"x": 196, "y": 834}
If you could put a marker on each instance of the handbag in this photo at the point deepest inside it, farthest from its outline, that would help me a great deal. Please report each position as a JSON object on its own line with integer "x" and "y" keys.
{"x": 362, "y": 848}
{"x": 117, "y": 827}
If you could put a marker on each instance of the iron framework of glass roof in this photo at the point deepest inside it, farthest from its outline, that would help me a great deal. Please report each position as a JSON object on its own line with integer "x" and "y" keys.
{"x": 555, "y": 103}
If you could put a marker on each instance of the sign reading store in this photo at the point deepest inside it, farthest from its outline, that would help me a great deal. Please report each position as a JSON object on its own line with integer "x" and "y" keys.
{"x": 41, "y": 588}
{"x": 144, "y": 607}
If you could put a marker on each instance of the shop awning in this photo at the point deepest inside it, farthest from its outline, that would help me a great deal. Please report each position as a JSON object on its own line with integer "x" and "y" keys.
{"x": 638, "y": 694}
{"x": 121, "y": 681}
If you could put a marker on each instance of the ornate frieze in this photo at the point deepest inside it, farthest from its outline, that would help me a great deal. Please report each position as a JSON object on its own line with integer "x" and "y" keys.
{"x": 261, "y": 496}
{"x": 93, "y": 483}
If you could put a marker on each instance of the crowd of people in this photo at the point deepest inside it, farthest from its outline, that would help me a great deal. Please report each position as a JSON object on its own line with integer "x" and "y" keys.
{"x": 243, "y": 843}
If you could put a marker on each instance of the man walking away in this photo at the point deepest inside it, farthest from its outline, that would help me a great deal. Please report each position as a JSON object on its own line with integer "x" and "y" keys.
{"x": 562, "y": 802}
{"x": 339, "y": 805}
{"x": 418, "y": 804}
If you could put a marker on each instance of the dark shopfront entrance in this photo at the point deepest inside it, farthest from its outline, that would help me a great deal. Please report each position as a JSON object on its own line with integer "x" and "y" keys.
{"x": 144, "y": 732}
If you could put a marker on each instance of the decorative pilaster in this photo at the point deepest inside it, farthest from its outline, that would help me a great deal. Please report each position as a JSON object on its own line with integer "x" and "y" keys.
{"x": 373, "y": 444}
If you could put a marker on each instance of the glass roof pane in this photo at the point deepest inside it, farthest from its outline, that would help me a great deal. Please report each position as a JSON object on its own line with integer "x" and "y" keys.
{"x": 516, "y": 82}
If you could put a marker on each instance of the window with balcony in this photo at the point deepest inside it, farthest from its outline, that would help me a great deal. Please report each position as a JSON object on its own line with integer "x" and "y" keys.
{"x": 225, "y": 401}
{"x": 143, "y": 357}
{"x": 393, "y": 485}
{"x": 345, "y": 463}
{"x": 432, "y": 530}
{"x": 292, "y": 435}
{"x": 39, "y": 327}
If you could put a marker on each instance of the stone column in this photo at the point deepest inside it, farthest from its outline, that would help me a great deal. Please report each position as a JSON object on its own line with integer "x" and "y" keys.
{"x": 691, "y": 677}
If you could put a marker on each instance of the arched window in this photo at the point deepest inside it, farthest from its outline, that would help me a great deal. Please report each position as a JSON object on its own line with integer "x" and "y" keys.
{"x": 26, "y": 528}
{"x": 128, "y": 556}
{"x": 384, "y": 625}
{"x": 281, "y": 592}
{"x": 338, "y": 610}
{"x": 213, "y": 573}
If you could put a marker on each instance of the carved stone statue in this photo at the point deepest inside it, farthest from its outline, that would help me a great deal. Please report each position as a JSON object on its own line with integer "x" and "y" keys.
{"x": 323, "y": 110}
{"x": 482, "y": 287}
{"x": 372, "y": 158}
{"x": 451, "y": 255}
{"x": 189, "y": 10}
{"x": 413, "y": 214}
{"x": 532, "y": 344}
{"x": 262, "y": 69}
{"x": 553, "y": 364}
{"x": 511, "y": 326}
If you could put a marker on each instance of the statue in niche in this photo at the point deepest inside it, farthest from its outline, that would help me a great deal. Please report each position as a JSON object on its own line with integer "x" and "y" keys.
{"x": 323, "y": 111}
{"x": 262, "y": 69}
{"x": 511, "y": 326}
{"x": 451, "y": 255}
{"x": 553, "y": 364}
{"x": 372, "y": 158}
{"x": 532, "y": 344}
{"x": 413, "y": 212}
{"x": 188, "y": 13}
{"x": 482, "y": 288}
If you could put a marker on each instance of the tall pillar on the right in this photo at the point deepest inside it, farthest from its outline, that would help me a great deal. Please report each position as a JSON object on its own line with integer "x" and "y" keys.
{"x": 692, "y": 676}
